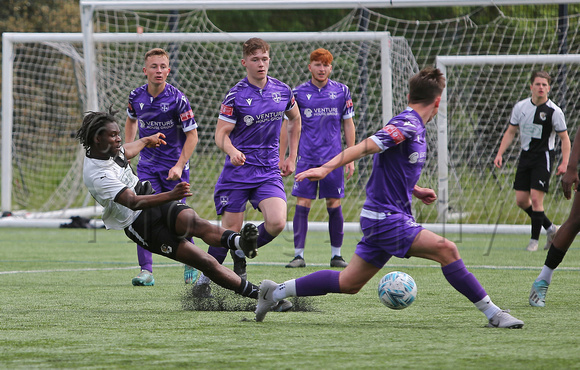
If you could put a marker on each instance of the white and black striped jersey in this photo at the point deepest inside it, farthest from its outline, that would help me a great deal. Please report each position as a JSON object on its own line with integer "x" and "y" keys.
{"x": 538, "y": 124}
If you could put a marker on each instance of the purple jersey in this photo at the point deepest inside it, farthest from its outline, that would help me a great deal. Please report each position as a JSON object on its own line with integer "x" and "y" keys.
{"x": 169, "y": 113}
{"x": 397, "y": 168}
{"x": 322, "y": 111}
{"x": 257, "y": 115}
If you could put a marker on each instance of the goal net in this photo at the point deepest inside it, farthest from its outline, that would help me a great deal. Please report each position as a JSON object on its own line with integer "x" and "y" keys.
{"x": 205, "y": 65}
{"x": 50, "y": 94}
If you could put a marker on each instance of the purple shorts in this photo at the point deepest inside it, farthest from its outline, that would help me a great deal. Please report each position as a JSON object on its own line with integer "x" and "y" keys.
{"x": 332, "y": 186}
{"x": 234, "y": 200}
{"x": 384, "y": 235}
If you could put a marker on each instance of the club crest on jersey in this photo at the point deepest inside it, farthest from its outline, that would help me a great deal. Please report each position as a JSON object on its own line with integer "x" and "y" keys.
{"x": 276, "y": 97}
{"x": 332, "y": 95}
{"x": 543, "y": 116}
{"x": 249, "y": 120}
{"x": 308, "y": 112}
{"x": 164, "y": 107}
{"x": 166, "y": 248}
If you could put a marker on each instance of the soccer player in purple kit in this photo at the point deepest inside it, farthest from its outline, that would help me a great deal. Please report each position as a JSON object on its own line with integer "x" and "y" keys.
{"x": 248, "y": 131}
{"x": 388, "y": 226}
{"x": 155, "y": 107}
{"x": 325, "y": 107}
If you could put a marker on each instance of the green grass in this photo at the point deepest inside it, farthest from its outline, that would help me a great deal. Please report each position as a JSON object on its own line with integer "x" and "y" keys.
{"x": 67, "y": 302}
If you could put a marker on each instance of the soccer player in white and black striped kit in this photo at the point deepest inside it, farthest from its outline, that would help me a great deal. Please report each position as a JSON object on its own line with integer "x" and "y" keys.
{"x": 539, "y": 121}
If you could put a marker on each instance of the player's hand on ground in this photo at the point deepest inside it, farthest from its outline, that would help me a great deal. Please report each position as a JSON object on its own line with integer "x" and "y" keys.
{"x": 155, "y": 140}
{"x": 181, "y": 191}
{"x": 569, "y": 181}
{"x": 313, "y": 174}
{"x": 426, "y": 195}
{"x": 498, "y": 161}
{"x": 237, "y": 158}
{"x": 349, "y": 170}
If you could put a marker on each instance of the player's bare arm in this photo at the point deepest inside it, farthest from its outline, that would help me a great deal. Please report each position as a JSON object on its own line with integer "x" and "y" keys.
{"x": 506, "y": 141}
{"x": 130, "y": 130}
{"x": 349, "y": 136}
{"x": 191, "y": 140}
{"x": 362, "y": 149}
{"x": 294, "y": 126}
{"x": 129, "y": 199}
{"x": 426, "y": 195}
{"x": 565, "y": 140}
{"x": 570, "y": 179}
{"x": 222, "y": 140}
{"x": 153, "y": 141}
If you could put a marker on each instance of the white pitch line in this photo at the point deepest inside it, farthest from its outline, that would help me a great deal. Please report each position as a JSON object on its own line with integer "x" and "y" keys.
{"x": 387, "y": 267}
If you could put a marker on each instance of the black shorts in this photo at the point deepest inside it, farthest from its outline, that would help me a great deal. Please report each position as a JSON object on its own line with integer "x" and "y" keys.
{"x": 534, "y": 171}
{"x": 154, "y": 229}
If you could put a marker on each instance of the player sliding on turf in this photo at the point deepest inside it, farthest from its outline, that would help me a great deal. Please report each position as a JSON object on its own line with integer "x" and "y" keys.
{"x": 389, "y": 229}
{"x": 158, "y": 222}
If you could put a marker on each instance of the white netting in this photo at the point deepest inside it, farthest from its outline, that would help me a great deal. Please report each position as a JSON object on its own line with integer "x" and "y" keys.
{"x": 48, "y": 100}
{"x": 480, "y": 99}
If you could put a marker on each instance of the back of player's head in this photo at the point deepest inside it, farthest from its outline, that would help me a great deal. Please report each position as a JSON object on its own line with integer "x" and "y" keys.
{"x": 156, "y": 52}
{"x": 541, "y": 74}
{"x": 426, "y": 86}
{"x": 93, "y": 122}
{"x": 321, "y": 55}
{"x": 254, "y": 44}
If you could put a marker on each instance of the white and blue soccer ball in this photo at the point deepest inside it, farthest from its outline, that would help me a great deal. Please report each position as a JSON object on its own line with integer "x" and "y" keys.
{"x": 397, "y": 290}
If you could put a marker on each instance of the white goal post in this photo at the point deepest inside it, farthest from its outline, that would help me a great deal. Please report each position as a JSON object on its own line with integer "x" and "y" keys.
{"x": 444, "y": 63}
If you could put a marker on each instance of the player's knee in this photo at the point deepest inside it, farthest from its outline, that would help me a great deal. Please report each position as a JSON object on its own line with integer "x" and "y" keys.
{"x": 275, "y": 227}
{"x": 348, "y": 288}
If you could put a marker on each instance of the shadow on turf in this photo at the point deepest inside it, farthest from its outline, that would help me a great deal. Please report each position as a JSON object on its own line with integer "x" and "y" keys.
{"x": 227, "y": 300}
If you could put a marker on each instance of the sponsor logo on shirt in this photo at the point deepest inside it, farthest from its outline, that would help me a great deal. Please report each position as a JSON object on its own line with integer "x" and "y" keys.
{"x": 308, "y": 96}
{"x": 187, "y": 115}
{"x": 276, "y": 97}
{"x": 227, "y": 110}
{"x": 308, "y": 112}
{"x": 394, "y": 133}
{"x": 141, "y": 105}
{"x": 249, "y": 101}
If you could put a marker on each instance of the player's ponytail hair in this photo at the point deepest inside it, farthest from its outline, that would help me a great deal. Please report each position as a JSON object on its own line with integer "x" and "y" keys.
{"x": 426, "y": 86}
{"x": 93, "y": 122}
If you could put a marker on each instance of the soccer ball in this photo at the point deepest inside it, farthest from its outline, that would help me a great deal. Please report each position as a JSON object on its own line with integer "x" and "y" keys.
{"x": 397, "y": 290}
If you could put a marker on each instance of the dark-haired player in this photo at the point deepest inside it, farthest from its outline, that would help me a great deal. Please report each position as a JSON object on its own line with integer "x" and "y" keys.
{"x": 539, "y": 120}
{"x": 389, "y": 229}
{"x": 159, "y": 222}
